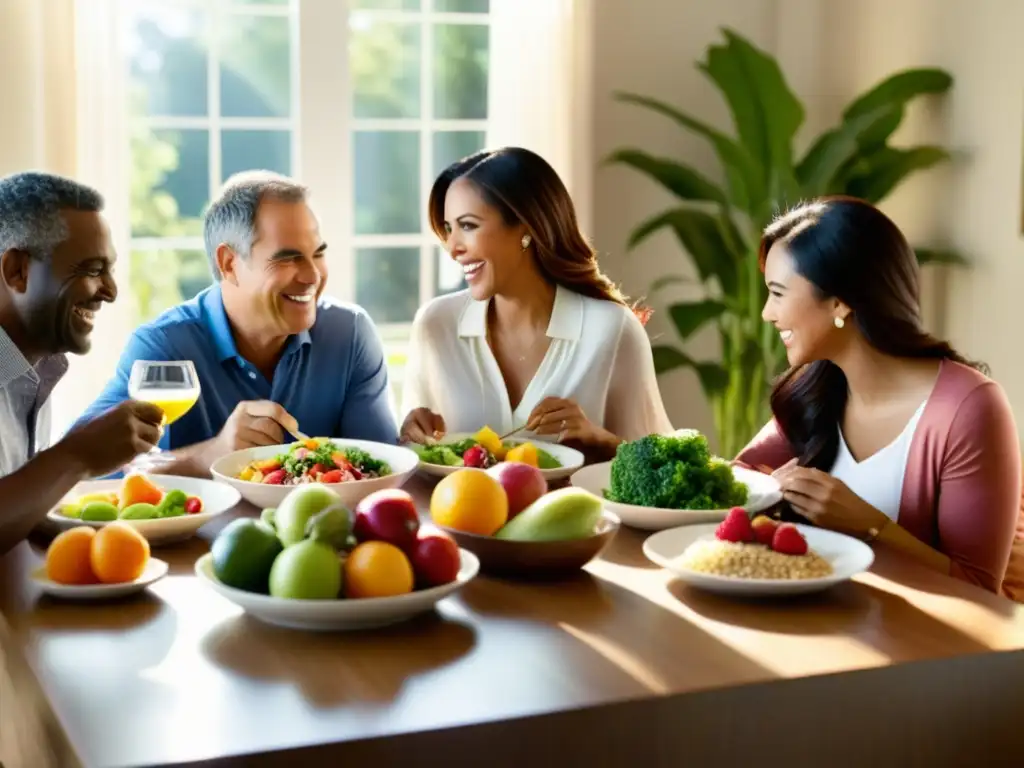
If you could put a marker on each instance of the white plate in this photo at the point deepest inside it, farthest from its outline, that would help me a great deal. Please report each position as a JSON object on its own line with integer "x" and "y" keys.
{"x": 764, "y": 492}
{"x": 217, "y": 499}
{"x": 341, "y": 614}
{"x": 570, "y": 458}
{"x": 402, "y": 461}
{"x": 846, "y": 555}
{"x": 154, "y": 571}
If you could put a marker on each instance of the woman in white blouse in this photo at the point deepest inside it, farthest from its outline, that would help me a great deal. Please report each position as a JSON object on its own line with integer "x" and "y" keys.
{"x": 541, "y": 339}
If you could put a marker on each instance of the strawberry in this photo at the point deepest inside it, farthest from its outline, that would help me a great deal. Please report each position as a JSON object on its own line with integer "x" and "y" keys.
{"x": 475, "y": 457}
{"x": 764, "y": 529}
{"x": 736, "y": 526}
{"x": 334, "y": 476}
{"x": 276, "y": 477}
{"x": 789, "y": 541}
{"x": 193, "y": 505}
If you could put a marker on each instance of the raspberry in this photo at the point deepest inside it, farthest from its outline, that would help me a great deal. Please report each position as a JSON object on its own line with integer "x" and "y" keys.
{"x": 736, "y": 526}
{"x": 789, "y": 541}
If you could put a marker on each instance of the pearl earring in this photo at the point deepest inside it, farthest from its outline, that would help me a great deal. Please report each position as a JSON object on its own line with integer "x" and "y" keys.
{"x": 839, "y": 322}
{"x": 525, "y": 241}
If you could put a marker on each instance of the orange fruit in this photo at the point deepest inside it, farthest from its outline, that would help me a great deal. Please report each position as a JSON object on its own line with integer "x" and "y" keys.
{"x": 119, "y": 553}
{"x": 68, "y": 556}
{"x": 377, "y": 569}
{"x": 469, "y": 500}
{"x": 139, "y": 489}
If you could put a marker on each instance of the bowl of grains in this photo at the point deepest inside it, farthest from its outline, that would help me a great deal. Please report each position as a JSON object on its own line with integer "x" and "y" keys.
{"x": 763, "y": 558}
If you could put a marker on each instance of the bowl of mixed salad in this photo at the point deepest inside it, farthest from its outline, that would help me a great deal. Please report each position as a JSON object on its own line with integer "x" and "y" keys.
{"x": 351, "y": 468}
{"x": 484, "y": 449}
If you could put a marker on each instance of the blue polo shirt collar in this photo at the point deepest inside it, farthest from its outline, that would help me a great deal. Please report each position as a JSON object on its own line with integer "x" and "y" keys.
{"x": 220, "y": 329}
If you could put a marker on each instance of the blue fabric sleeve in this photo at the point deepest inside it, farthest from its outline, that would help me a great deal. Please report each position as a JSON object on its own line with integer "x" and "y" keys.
{"x": 366, "y": 414}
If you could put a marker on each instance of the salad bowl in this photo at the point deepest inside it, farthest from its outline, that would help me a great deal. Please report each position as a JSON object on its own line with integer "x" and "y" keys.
{"x": 351, "y": 468}
{"x": 558, "y": 462}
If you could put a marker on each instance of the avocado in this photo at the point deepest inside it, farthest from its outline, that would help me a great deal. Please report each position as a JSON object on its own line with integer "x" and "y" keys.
{"x": 243, "y": 554}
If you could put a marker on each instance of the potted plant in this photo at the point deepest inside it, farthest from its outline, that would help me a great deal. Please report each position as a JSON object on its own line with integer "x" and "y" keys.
{"x": 719, "y": 226}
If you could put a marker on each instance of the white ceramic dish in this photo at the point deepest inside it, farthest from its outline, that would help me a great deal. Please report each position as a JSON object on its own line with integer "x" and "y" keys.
{"x": 217, "y": 499}
{"x": 764, "y": 492}
{"x": 154, "y": 571}
{"x": 570, "y": 458}
{"x": 846, "y": 555}
{"x": 401, "y": 460}
{"x": 342, "y": 614}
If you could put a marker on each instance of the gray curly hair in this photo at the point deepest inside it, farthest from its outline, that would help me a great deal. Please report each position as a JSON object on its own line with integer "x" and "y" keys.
{"x": 231, "y": 216}
{"x": 30, "y": 206}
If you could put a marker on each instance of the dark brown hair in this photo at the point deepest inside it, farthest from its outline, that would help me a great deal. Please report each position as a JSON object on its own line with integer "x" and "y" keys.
{"x": 525, "y": 189}
{"x": 850, "y": 250}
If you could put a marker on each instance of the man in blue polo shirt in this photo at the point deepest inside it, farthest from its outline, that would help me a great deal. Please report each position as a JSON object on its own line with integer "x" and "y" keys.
{"x": 272, "y": 356}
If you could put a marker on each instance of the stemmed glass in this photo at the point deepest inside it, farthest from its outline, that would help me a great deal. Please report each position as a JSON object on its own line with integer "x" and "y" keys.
{"x": 172, "y": 386}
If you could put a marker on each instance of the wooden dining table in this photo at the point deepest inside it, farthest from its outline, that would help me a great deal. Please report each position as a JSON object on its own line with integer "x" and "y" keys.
{"x": 619, "y": 664}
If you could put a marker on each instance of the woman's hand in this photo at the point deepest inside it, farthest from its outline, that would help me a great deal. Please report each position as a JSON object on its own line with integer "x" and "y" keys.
{"x": 421, "y": 425}
{"x": 826, "y": 501}
{"x": 564, "y": 418}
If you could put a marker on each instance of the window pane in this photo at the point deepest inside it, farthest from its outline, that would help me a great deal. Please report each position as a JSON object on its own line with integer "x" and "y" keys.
{"x": 161, "y": 279}
{"x": 387, "y": 182}
{"x": 261, "y": 2}
{"x": 450, "y": 277}
{"x": 249, "y": 150}
{"x": 255, "y": 66}
{"x": 170, "y": 181}
{"x": 385, "y": 62}
{"x": 450, "y": 146}
{"x": 387, "y": 5}
{"x": 460, "y": 71}
{"x": 167, "y": 61}
{"x": 462, "y": 6}
{"x": 388, "y": 283}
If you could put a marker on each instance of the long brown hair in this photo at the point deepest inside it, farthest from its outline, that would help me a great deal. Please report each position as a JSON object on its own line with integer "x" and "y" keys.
{"x": 850, "y": 250}
{"x": 526, "y": 190}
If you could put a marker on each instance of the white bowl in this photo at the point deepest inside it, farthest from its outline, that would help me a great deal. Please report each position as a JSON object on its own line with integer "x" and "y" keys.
{"x": 846, "y": 555}
{"x": 763, "y": 492}
{"x": 402, "y": 461}
{"x": 153, "y": 572}
{"x": 341, "y": 614}
{"x": 217, "y": 499}
{"x": 570, "y": 458}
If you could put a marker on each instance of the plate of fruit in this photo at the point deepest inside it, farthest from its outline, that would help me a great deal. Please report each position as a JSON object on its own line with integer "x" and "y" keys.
{"x": 757, "y": 557}
{"x": 163, "y": 508}
{"x": 517, "y": 527}
{"x": 664, "y": 481}
{"x": 311, "y": 563}
{"x": 484, "y": 449}
{"x": 86, "y": 563}
{"x": 351, "y": 468}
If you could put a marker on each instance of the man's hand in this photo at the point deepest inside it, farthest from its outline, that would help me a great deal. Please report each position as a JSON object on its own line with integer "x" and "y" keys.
{"x": 113, "y": 439}
{"x": 254, "y": 423}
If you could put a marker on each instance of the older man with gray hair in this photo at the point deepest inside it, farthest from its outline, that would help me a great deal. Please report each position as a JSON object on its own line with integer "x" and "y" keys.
{"x": 272, "y": 354}
{"x": 55, "y": 263}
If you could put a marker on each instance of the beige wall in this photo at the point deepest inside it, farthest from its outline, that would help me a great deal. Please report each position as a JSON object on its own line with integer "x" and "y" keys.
{"x": 830, "y": 52}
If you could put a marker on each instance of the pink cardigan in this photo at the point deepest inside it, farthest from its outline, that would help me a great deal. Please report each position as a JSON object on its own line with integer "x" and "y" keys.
{"x": 962, "y": 487}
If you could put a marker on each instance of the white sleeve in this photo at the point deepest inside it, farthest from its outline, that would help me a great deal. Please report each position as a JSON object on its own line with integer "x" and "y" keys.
{"x": 416, "y": 378}
{"x": 634, "y": 407}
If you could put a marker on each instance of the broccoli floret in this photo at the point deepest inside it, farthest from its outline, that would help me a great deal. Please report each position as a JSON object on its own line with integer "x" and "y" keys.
{"x": 673, "y": 472}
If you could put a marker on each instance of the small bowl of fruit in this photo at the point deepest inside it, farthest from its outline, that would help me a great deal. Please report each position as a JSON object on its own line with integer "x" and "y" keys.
{"x": 517, "y": 527}
{"x": 311, "y": 563}
{"x": 164, "y": 509}
{"x": 484, "y": 449}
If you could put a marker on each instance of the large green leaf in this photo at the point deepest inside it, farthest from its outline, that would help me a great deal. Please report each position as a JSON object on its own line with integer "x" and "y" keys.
{"x": 900, "y": 88}
{"x": 939, "y": 256}
{"x": 876, "y": 175}
{"x": 765, "y": 110}
{"x": 742, "y": 173}
{"x": 706, "y": 238}
{"x": 679, "y": 179}
{"x": 713, "y": 377}
{"x": 835, "y": 148}
{"x": 688, "y": 317}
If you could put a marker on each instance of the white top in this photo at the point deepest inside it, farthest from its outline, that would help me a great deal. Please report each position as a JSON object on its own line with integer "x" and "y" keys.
{"x": 879, "y": 478}
{"x": 599, "y": 356}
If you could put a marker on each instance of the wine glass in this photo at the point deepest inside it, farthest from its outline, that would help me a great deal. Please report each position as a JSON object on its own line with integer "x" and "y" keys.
{"x": 172, "y": 386}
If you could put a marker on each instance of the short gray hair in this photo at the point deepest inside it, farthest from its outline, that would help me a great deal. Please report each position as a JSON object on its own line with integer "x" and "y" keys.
{"x": 30, "y": 210}
{"x": 231, "y": 216}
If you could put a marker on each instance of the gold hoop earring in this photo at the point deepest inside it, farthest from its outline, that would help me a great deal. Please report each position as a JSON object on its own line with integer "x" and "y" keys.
{"x": 525, "y": 242}
{"x": 839, "y": 322}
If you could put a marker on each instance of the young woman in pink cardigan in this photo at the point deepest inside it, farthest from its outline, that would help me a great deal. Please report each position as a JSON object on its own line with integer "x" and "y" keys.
{"x": 881, "y": 430}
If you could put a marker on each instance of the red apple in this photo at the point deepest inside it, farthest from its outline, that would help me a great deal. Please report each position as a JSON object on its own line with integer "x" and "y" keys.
{"x": 523, "y": 484}
{"x": 435, "y": 558}
{"x": 387, "y": 515}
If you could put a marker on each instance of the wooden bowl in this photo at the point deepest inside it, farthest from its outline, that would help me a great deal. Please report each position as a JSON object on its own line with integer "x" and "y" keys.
{"x": 540, "y": 560}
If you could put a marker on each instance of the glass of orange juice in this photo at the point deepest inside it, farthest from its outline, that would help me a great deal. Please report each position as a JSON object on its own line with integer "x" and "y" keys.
{"x": 172, "y": 386}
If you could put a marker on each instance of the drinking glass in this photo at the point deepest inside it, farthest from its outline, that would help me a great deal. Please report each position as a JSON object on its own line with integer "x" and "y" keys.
{"x": 172, "y": 386}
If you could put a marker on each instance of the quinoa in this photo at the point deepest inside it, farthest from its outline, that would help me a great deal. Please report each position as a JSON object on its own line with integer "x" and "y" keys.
{"x": 751, "y": 561}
